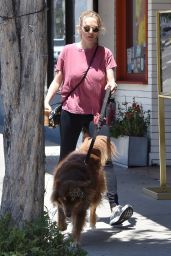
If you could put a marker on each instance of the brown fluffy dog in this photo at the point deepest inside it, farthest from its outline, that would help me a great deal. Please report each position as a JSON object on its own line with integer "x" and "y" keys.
{"x": 78, "y": 186}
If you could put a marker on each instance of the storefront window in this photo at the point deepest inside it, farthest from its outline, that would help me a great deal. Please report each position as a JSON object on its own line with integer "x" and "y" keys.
{"x": 79, "y": 7}
{"x": 136, "y": 41}
{"x": 131, "y": 40}
{"x": 58, "y": 27}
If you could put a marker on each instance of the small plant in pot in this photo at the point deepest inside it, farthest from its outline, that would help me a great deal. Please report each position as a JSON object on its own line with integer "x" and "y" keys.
{"x": 131, "y": 120}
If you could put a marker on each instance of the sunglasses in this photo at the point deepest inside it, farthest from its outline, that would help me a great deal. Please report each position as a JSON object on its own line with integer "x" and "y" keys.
{"x": 88, "y": 28}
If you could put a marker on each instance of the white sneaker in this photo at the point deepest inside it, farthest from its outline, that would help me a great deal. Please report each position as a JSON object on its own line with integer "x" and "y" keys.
{"x": 120, "y": 214}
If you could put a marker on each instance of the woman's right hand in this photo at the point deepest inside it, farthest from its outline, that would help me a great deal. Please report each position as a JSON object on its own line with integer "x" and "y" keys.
{"x": 53, "y": 88}
{"x": 47, "y": 106}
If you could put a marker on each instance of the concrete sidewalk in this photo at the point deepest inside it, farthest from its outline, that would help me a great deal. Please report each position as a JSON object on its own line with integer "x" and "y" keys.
{"x": 149, "y": 230}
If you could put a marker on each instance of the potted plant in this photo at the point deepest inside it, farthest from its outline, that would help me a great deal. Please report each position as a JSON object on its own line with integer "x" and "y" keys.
{"x": 129, "y": 133}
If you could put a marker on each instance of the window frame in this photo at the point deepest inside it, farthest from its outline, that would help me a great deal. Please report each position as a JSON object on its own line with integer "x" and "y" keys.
{"x": 122, "y": 75}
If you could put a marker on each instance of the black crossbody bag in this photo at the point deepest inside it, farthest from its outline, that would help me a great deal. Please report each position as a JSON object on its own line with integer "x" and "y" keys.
{"x": 55, "y": 115}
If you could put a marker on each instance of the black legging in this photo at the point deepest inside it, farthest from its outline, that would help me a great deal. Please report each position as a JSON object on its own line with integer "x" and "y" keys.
{"x": 70, "y": 128}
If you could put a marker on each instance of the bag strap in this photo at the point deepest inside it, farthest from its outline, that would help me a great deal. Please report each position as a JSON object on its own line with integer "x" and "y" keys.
{"x": 84, "y": 76}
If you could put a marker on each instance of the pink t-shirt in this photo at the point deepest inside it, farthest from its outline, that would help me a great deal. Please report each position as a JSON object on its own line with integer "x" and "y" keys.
{"x": 73, "y": 62}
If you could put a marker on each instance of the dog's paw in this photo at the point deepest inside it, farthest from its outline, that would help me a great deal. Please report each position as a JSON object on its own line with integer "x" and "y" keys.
{"x": 92, "y": 226}
{"x": 75, "y": 244}
{"x": 67, "y": 237}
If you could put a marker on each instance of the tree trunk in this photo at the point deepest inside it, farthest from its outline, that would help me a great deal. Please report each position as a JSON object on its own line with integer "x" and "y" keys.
{"x": 23, "y": 70}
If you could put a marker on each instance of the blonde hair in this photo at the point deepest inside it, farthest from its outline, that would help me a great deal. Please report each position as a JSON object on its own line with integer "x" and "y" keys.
{"x": 93, "y": 14}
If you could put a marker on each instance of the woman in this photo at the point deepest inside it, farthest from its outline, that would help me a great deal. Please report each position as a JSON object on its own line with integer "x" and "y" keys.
{"x": 85, "y": 102}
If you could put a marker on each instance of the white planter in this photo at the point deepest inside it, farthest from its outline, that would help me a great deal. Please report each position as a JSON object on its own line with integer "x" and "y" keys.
{"x": 131, "y": 151}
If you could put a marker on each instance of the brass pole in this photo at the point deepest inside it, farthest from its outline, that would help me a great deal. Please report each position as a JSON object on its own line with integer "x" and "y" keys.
{"x": 162, "y": 144}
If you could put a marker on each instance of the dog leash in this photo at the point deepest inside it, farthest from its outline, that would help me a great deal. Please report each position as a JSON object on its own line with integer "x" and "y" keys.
{"x": 100, "y": 123}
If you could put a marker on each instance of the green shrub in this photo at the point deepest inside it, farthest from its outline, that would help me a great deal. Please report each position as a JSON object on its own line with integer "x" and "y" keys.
{"x": 39, "y": 238}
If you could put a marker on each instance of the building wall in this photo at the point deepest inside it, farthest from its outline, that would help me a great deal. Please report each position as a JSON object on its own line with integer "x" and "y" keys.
{"x": 147, "y": 95}
{"x": 153, "y": 7}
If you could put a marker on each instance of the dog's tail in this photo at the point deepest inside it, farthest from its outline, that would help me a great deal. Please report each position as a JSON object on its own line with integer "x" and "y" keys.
{"x": 102, "y": 148}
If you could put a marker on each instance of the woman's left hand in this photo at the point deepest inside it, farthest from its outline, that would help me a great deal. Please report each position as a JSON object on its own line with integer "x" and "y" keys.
{"x": 111, "y": 80}
{"x": 113, "y": 87}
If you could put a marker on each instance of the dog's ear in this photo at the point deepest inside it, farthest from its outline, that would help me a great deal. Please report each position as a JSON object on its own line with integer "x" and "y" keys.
{"x": 55, "y": 193}
{"x": 95, "y": 159}
{"x": 54, "y": 196}
{"x": 96, "y": 152}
